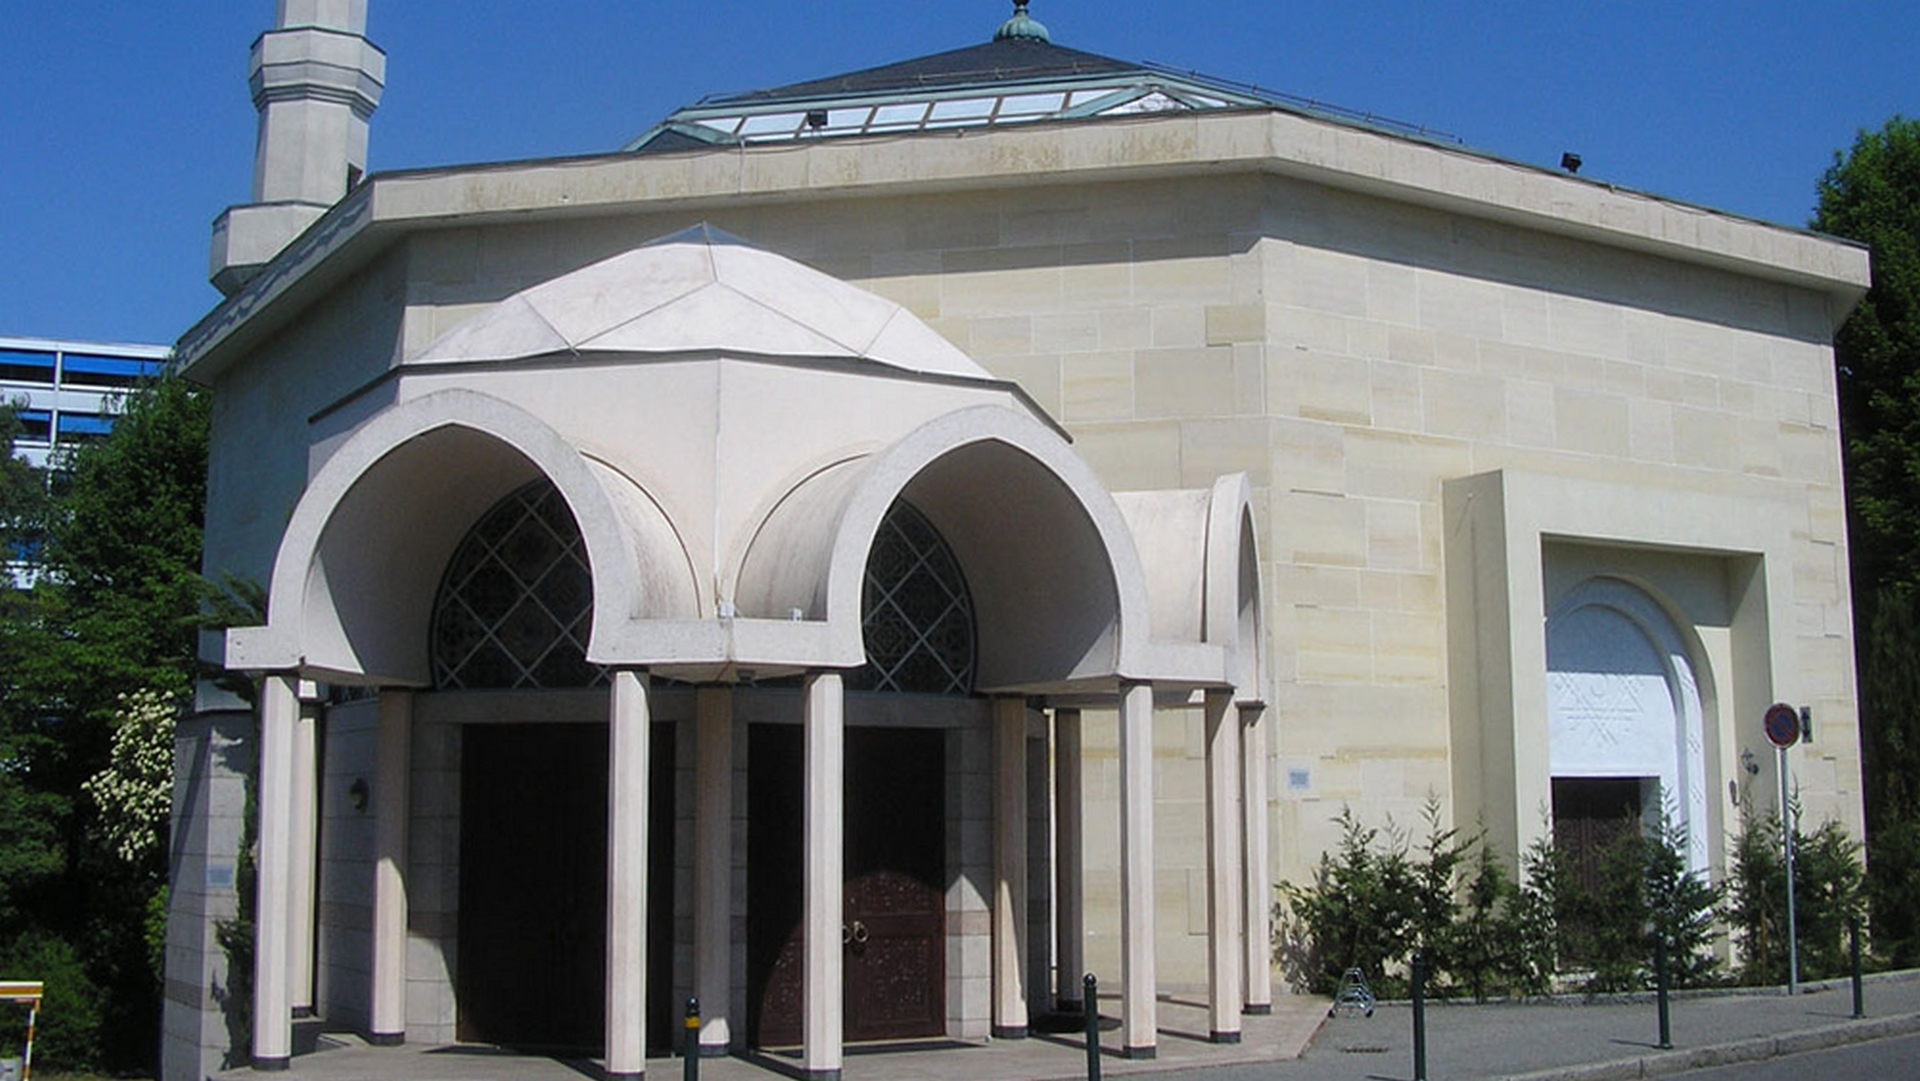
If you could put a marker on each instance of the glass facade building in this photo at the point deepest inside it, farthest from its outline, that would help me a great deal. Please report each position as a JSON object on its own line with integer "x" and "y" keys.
{"x": 69, "y": 392}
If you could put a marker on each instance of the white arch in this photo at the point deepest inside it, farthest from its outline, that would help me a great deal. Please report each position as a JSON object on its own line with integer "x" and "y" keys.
{"x": 364, "y": 531}
{"x": 837, "y": 513}
{"x": 1234, "y": 620}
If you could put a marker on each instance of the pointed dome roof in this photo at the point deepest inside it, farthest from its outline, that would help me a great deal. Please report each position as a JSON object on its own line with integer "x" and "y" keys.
{"x": 698, "y": 290}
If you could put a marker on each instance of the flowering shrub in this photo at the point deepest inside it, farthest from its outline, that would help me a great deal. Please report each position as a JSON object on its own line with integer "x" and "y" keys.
{"x": 135, "y": 790}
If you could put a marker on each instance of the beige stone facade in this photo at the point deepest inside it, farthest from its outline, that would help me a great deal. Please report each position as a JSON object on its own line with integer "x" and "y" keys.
{"x": 1461, "y": 391}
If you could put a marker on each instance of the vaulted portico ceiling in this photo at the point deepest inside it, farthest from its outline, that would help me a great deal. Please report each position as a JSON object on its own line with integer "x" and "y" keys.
{"x": 1019, "y": 77}
{"x": 703, "y": 289}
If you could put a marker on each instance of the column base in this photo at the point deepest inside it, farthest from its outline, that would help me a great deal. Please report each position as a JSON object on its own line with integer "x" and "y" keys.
{"x": 638, "y": 1075}
{"x": 1223, "y": 1037}
{"x": 386, "y": 1039}
{"x": 714, "y": 1050}
{"x": 818, "y": 1075}
{"x": 1260, "y": 1009}
{"x": 1009, "y": 1032}
{"x": 1143, "y": 1053}
{"x": 272, "y": 1063}
{"x": 302, "y": 1013}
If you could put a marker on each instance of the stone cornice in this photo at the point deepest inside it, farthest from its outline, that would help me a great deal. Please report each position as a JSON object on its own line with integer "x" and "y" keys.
{"x": 1274, "y": 142}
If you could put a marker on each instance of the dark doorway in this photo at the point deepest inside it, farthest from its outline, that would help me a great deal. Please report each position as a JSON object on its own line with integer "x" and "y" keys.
{"x": 894, "y": 934}
{"x": 532, "y": 963}
{"x": 1589, "y": 815}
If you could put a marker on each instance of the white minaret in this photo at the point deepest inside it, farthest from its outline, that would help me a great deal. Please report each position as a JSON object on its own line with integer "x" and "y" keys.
{"x": 316, "y": 81}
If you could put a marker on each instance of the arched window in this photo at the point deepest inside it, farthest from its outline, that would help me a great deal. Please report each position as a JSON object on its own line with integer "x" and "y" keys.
{"x": 516, "y": 606}
{"x": 916, "y": 615}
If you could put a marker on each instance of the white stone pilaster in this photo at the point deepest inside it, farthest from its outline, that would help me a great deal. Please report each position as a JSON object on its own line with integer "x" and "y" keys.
{"x": 1138, "y": 974}
{"x": 1255, "y": 863}
{"x": 825, "y": 738}
{"x": 272, "y": 1011}
{"x": 1009, "y": 868}
{"x": 392, "y": 808}
{"x": 629, "y": 736}
{"x": 1070, "y": 927}
{"x": 1226, "y": 886}
{"x": 302, "y": 861}
{"x": 713, "y": 864}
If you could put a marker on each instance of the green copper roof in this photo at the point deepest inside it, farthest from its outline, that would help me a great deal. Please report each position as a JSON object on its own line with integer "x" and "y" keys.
{"x": 1022, "y": 25}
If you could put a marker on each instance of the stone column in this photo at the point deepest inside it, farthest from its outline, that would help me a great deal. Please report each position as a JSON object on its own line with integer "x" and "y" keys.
{"x": 392, "y": 808}
{"x": 1255, "y": 863}
{"x": 825, "y": 867}
{"x": 1138, "y": 976}
{"x": 272, "y": 1011}
{"x": 302, "y": 861}
{"x": 629, "y": 735}
{"x": 1226, "y": 886}
{"x": 1009, "y": 868}
{"x": 1069, "y": 872}
{"x": 713, "y": 865}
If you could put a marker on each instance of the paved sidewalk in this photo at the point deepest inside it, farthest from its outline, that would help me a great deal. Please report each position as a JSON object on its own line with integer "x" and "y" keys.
{"x": 1566, "y": 1040}
{"x": 1572, "y": 1040}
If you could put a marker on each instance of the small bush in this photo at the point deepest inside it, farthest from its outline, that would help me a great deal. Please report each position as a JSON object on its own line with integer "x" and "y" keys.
{"x": 1829, "y": 892}
{"x": 68, "y": 1035}
{"x": 1376, "y": 900}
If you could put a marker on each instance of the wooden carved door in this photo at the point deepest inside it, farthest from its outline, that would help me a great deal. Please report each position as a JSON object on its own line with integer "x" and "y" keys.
{"x": 894, "y": 928}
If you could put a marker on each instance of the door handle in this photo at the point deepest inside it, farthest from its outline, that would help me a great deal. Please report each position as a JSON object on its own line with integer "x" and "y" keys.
{"x": 846, "y": 935}
{"x": 860, "y": 933}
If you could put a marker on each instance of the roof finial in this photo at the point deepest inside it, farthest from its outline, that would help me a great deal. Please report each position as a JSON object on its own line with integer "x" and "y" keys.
{"x": 1022, "y": 26}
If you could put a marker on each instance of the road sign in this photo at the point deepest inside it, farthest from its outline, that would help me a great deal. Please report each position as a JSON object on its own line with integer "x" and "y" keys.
{"x": 1783, "y": 725}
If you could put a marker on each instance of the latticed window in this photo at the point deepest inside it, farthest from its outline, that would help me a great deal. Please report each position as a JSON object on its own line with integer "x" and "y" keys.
{"x": 916, "y": 615}
{"x": 516, "y": 607}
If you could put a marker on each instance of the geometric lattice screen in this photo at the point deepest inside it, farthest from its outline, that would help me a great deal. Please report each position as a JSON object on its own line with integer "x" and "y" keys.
{"x": 516, "y": 606}
{"x": 916, "y": 614}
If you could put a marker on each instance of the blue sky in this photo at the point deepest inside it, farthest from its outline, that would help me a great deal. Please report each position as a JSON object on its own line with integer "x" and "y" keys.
{"x": 125, "y": 127}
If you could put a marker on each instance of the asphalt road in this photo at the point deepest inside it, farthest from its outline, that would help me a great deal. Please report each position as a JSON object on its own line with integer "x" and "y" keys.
{"x": 1897, "y": 1059}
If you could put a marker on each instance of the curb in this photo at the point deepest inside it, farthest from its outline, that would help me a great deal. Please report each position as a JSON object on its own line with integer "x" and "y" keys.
{"x": 1727, "y": 1054}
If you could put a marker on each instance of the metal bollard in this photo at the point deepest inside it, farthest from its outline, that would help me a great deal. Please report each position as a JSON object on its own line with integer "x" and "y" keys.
{"x": 691, "y": 1052}
{"x": 1859, "y": 992}
{"x": 1660, "y": 989}
{"x": 1419, "y": 1016}
{"x": 1090, "y": 994}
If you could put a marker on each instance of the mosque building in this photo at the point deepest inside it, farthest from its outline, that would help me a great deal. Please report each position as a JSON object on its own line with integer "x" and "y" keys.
{"x": 870, "y": 551}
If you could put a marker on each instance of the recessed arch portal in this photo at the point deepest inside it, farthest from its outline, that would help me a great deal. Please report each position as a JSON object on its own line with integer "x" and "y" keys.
{"x": 1624, "y": 702}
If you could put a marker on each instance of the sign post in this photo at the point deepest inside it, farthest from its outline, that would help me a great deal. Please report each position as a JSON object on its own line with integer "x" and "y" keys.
{"x": 28, "y": 993}
{"x": 1783, "y": 730}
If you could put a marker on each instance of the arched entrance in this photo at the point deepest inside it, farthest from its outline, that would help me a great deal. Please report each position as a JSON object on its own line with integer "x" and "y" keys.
{"x": 1625, "y": 721}
{"x": 918, "y": 626}
{"x": 513, "y": 612}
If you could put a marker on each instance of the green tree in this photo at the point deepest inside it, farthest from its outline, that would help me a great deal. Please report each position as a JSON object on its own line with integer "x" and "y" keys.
{"x": 1871, "y": 194}
{"x": 113, "y": 620}
{"x": 31, "y": 805}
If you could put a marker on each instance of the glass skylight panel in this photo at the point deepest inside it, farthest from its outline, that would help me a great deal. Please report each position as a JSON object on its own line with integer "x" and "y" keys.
{"x": 1155, "y": 102}
{"x": 842, "y": 119}
{"x": 772, "y": 124}
{"x": 906, "y": 114}
{"x": 963, "y": 109}
{"x": 1081, "y": 97}
{"x": 1022, "y": 104}
{"x": 722, "y": 124}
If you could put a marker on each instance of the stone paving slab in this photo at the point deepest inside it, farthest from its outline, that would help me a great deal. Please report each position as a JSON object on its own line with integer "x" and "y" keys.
{"x": 1560, "y": 1040}
{"x": 1280, "y": 1036}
